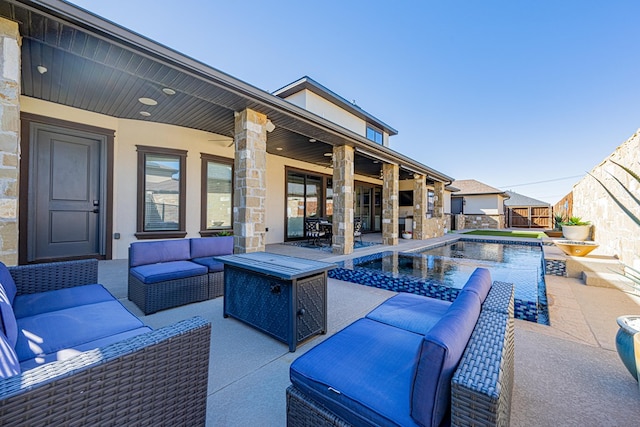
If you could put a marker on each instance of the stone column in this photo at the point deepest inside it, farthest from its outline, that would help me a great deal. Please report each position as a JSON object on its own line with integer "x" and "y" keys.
{"x": 438, "y": 199}
{"x": 419, "y": 206}
{"x": 390, "y": 188}
{"x": 343, "y": 157}
{"x": 9, "y": 139}
{"x": 250, "y": 167}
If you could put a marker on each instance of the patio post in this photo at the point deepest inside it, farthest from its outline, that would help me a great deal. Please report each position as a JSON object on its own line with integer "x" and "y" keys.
{"x": 250, "y": 166}
{"x": 419, "y": 206}
{"x": 390, "y": 190}
{"x": 9, "y": 139}
{"x": 343, "y": 157}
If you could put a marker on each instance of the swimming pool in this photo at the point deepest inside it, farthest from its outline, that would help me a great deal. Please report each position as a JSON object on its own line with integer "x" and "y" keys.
{"x": 440, "y": 272}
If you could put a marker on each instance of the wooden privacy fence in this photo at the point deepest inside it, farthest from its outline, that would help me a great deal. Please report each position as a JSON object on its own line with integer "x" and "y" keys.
{"x": 529, "y": 217}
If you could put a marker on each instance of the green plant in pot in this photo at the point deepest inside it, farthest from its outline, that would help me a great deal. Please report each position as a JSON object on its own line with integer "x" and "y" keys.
{"x": 574, "y": 228}
{"x": 558, "y": 220}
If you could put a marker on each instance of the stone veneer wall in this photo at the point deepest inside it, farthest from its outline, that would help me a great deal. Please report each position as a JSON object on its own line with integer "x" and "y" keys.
{"x": 419, "y": 207}
{"x": 250, "y": 168}
{"x": 390, "y": 209}
{"x": 343, "y": 157}
{"x": 474, "y": 221}
{"x": 9, "y": 139}
{"x": 615, "y": 232}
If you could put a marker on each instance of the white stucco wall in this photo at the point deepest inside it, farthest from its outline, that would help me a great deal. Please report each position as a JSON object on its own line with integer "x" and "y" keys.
{"x": 328, "y": 110}
{"x": 129, "y": 133}
{"x": 490, "y": 204}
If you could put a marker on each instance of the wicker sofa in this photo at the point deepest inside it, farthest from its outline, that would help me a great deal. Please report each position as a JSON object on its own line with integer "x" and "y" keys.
{"x": 170, "y": 273}
{"x": 128, "y": 378}
{"x": 413, "y": 360}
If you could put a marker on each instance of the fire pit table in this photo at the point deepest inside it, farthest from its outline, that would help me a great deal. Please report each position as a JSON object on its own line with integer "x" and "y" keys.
{"x": 283, "y": 296}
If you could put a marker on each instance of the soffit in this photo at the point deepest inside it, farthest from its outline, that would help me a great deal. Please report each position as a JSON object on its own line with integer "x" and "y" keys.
{"x": 103, "y": 72}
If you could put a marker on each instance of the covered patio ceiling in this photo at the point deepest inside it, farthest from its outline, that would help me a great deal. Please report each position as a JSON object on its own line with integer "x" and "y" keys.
{"x": 95, "y": 65}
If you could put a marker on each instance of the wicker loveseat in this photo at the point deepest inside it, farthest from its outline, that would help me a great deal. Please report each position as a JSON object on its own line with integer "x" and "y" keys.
{"x": 413, "y": 360}
{"x": 169, "y": 273}
{"x": 83, "y": 376}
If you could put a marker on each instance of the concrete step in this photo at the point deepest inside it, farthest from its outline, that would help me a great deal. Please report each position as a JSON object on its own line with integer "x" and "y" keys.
{"x": 576, "y": 266}
{"x": 604, "y": 280}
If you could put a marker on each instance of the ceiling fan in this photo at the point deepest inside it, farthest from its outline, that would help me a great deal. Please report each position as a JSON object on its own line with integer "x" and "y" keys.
{"x": 226, "y": 141}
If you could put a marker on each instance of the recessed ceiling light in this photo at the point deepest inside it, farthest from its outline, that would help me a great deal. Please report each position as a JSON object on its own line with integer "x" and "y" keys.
{"x": 279, "y": 148}
{"x": 168, "y": 91}
{"x": 312, "y": 140}
{"x": 328, "y": 154}
{"x": 145, "y": 113}
{"x": 148, "y": 101}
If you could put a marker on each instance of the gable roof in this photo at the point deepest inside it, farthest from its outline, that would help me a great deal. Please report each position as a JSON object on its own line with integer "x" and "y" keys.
{"x": 516, "y": 199}
{"x": 308, "y": 83}
{"x": 471, "y": 187}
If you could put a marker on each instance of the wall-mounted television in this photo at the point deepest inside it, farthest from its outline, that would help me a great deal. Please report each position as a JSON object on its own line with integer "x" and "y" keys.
{"x": 405, "y": 198}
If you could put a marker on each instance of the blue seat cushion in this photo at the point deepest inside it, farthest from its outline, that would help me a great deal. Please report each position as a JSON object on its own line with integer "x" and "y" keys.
{"x": 211, "y": 246}
{"x": 8, "y": 318}
{"x": 9, "y": 364}
{"x": 143, "y": 253}
{"x": 411, "y": 312}
{"x": 442, "y": 349}
{"x": 213, "y": 265}
{"x": 44, "y": 302}
{"x": 162, "y": 272}
{"x": 50, "y": 332}
{"x": 363, "y": 373}
{"x": 66, "y": 353}
{"x": 479, "y": 282}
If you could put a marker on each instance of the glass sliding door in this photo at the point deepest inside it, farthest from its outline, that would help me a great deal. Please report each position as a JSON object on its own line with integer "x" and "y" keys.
{"x": 308, "y": 196}
{"x": 368, "y": 206}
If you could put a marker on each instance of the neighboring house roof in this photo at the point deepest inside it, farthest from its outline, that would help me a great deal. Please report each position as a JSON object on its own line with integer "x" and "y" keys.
{"x": 308, "y": 83}
{"x": 97, "y": 65}
{"x": 516, "y": 199}
{"x": 471, "y": 187}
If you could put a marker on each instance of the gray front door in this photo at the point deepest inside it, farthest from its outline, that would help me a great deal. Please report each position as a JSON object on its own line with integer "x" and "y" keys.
{"x": 64, "y": 194}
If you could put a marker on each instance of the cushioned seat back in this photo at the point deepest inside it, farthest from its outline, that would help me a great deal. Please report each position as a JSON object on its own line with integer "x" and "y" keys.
{"x": 442, "y": 349}
{"x": 143, "y": 253}
{"x": 7, "y": 283}
{"x": 479, "y": 282}
{"x": 211, "y": 246}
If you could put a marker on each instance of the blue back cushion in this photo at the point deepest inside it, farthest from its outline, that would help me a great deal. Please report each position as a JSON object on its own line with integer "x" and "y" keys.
{"x": 479, "y": 282}
{"x": 45, "y": 302}
{"x": 7, "y": 283}
{"x": 211, "y": 246}
{"x": 50, "y": 332}
{"x": 9, "y": 325}
{"x": 9, "y": 365}
{"x": 442, "y": 349}
{"x": 414, "y": 313}
{"x": 143, "y": 253}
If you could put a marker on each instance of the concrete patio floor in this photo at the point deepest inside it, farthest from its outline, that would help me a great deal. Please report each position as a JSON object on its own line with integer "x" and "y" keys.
{"x": 568, "y": 373}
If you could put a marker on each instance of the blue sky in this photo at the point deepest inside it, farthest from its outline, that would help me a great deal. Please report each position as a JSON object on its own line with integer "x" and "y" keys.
{"x": 505, "y": 92}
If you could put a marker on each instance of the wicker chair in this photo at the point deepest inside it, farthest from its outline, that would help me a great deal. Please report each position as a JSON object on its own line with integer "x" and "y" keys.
{"x": 157, "y": 378}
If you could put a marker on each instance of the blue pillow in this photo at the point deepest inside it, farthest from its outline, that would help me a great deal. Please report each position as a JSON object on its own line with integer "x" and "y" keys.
{"x": 9, "y": 365}
{"x": 211, "y": 246}
{"x": 479, "y": 283}
{"x": 9, "y": 324}
{"x": 7, "y": 282}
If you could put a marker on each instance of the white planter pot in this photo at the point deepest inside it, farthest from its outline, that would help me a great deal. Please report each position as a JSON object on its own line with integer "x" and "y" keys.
{"x": 576, "y": 232}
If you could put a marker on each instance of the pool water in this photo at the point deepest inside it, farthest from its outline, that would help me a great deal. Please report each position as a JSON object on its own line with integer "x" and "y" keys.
{"x": 443, "y": 270}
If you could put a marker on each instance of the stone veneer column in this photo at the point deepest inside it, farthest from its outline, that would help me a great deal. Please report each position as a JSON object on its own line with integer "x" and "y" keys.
{"x": 9, "y": 139}
{"x": 438, "y": 199}
{"x": 419, "y": 206}
{"x": 250, "y": 167}
{"x": 343, "y": 157}
{"x": 390, "y": 187}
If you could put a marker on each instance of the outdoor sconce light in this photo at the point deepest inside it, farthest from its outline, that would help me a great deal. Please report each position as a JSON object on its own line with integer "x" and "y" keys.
{"x": 270, "y": 126}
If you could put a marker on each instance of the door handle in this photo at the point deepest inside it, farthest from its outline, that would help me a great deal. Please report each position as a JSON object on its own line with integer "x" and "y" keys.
{"x": 96, "y": 210}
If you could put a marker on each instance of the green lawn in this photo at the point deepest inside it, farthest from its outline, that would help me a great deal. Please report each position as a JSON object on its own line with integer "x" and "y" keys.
{"x": 529, "y": 234}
